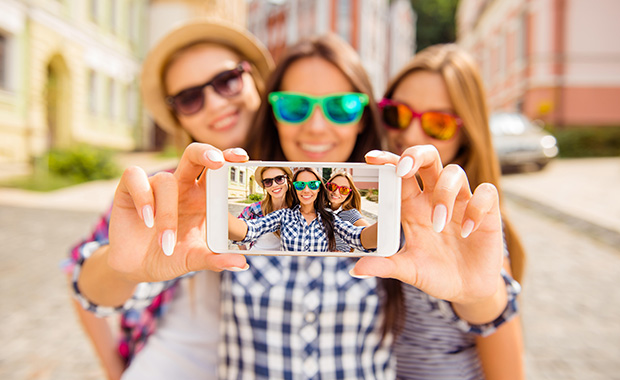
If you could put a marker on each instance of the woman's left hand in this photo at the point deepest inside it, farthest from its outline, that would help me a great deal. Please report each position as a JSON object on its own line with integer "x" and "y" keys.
{"x": 454, "y": 242}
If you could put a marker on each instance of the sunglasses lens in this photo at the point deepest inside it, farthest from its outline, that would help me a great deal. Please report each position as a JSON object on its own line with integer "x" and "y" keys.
{"x": 396, "y": 116}
{"x": 299, "y": 185}
{"x": 344, "y": 190}
{"x": 280, "y": 179}
{"x": 291, "y": 108}
{"x": 228, "y": 83}
{"x": 267, "y": 182}
{"x": 313, "y": 185}
{"x": 331, "y": 187}
{"x": 344, "y": 109}
{"x": 439, "y": 125}
{"x": 189, "y": 101}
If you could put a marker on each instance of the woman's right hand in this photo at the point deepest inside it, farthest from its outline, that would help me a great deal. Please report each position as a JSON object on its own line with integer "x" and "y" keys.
{"x": 157, "y": 225}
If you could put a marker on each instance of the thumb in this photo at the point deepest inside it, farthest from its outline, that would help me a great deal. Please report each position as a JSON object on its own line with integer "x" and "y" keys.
{"x": 374, "y": 267}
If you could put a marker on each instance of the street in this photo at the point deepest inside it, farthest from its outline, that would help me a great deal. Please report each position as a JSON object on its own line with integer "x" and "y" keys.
{"x": 570, "y": 305}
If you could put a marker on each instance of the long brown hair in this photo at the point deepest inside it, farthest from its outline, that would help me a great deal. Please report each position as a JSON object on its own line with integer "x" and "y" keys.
{"x": 264, "y": 143}
{"x": 476, "y": 154}
{"x": 289, "y": 199}
{"x": 320, "y": 206}
{"x": 354, "y": 200}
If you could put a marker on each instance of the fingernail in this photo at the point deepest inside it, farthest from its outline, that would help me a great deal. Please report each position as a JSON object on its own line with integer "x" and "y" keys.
{"x": 147, "y": 216}
{"x": 360, "y": 276}
{"x": 215, "y": 156}
{"x": 439, "y": 218}
{"x": 374, "y": 153}
{"x": 468, "y": 227}
{"x": 237, "y": 269}
{"x": 167, "y": 242}
{"x": 239, "y": 152}
{"x": 404, "y": 166}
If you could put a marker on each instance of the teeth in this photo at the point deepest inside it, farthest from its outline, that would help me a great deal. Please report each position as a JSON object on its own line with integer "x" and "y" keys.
{"x": 223, "y": 123}
{"x": 316, "y": 148}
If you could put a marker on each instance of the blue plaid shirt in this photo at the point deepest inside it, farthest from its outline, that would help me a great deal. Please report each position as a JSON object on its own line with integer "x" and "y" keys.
{"x": 302, "y": 317}
{"x": 299, "y": 236}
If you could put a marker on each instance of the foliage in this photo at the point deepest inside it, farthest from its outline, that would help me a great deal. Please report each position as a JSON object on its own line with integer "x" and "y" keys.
{"x": 372, "y": 195}
{"x": 588, "y": 141}
{"x": 435, "y": 22}
{"x": 82, "y": 163}
{"x": 255, "y": 197}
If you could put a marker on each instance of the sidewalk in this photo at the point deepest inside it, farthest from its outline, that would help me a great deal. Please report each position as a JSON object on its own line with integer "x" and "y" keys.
{"x": 90, "y": 196}
{"x": 579, "y": 192}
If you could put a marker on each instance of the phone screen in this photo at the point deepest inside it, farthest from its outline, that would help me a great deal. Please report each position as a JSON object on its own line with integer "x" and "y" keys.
{"x": 366, "y": 194}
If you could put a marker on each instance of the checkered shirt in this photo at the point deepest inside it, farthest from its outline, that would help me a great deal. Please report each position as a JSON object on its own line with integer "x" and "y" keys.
{"x": 299, "y": 236}
{"x": 351, "y": 216}
{"x": 301, "y": 317}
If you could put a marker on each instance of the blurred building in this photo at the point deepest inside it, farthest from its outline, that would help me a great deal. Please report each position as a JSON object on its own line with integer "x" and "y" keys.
{"x": 382, "y": 32}
{"x": 68, "y": 74}
{"x": 557, "y": 60}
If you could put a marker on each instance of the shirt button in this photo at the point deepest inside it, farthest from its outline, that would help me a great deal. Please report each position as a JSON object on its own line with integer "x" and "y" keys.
{"x": 310, "y": 317}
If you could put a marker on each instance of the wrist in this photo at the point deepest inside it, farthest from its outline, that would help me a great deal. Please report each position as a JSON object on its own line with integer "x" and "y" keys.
{"x": 484, "y": 310}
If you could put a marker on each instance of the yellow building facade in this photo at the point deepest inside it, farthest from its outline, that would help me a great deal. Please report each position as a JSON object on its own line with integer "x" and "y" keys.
{"x": 69, "y": 74}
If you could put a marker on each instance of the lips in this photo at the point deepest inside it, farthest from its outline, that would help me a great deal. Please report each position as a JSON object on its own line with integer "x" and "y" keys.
{"x": 226, "y": 122}
{"x": 316, "y": 151}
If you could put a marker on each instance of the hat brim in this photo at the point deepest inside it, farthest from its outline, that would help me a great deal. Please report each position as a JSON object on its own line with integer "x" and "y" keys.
{"x": 216, "y": 31}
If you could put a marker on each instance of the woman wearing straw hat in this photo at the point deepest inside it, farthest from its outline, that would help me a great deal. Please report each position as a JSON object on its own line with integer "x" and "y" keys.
{"x": 201, "y": 82}
{"x": 277, "y": 183}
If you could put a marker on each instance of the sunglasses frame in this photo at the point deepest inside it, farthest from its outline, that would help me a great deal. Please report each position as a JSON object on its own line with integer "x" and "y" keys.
{"x": 283, "y": 178}
{"x": 242, "y": 67}
{"x": 417, "y": 115}
{"x": 307, "y": 183}
{"x": 338, "y": 188}
{"x": 314, "y": 101}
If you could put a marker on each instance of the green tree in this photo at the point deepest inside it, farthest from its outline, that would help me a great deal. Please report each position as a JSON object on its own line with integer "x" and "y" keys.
{"x": 436, "y": 22}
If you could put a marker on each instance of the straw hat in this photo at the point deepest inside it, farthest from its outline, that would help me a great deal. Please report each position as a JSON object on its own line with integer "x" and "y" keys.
{"x": 258, "y": 174}
{"x": 207, "y": 30}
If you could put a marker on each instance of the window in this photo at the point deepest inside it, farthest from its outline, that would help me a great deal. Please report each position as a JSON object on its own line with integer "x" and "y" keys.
{"x": 241, "y": 176}
{"x": 344, "y": 19}
{"x": 93, "y": 11}
{"x": 233, "y": 174}
{"x": 92, "y": 92}
{"x": 3, "y": 62}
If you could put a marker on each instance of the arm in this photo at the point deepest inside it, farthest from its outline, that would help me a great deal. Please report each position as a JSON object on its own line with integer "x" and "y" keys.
{"x": 237, "y": 228}
{"x": 501, "y": 353}
{"x": 369, "y": 236}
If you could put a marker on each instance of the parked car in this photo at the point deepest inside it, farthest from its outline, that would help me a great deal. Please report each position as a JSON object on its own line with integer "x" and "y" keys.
{"x": 520, "y": 143}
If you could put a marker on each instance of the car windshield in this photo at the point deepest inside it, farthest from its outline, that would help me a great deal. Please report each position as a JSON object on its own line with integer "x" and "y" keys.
{"x": 509, "y": 124}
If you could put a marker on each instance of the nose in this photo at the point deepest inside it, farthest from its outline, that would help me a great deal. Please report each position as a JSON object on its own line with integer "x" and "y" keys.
{"x": 317, "y": 122}
{"x": 413, "y": 135}
{"x": 213, "y": 100}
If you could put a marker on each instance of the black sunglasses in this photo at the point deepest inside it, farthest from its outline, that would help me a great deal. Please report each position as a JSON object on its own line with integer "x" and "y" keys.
{"x": 227, "y": 84}
{"x": 279, "y": 180}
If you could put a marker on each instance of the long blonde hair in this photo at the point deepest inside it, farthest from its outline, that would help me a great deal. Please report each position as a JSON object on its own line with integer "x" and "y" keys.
{"x": 354, "y": 200}
{"x": 476, "y": 154}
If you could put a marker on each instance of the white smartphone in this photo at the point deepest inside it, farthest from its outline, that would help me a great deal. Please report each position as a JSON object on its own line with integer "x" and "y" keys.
{"x": 233, "y": 187}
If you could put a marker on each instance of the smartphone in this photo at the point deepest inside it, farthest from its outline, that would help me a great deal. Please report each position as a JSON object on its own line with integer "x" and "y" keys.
{"x": 233, "y": 187}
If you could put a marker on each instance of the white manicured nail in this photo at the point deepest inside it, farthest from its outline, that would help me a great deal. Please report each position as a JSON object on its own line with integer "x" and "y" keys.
{"x": 215, "y": 156}
{"x": 468, "y": 227}
{"x": 360, "y": 276}
{"x": 404, "y": 166}
{"x": 237, "y": 269}
{"x": 147, "y": 216}
{"x": 239, "y": 152}
{"x": 374, "y": 153}
{"x": 168, "y": 242}
{"x": 439, "y": 218}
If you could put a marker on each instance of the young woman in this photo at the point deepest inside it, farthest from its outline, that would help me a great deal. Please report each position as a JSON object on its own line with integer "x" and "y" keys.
{"x": 438, "y": 99}
{"x": 276, "y": 182}
{"x": 201, "y": 82}
{"x": 345, "y": 201}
